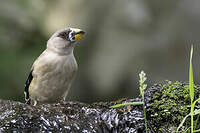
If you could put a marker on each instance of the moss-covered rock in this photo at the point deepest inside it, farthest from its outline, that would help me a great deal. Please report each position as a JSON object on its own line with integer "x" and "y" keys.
{"x": 168, "y": 104}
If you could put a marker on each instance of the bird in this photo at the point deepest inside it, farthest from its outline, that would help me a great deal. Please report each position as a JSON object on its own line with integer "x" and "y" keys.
{"x": 53, "y": 72}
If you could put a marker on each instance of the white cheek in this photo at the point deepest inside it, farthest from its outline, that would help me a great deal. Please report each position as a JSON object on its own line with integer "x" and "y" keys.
{"x": 71, "y": 37}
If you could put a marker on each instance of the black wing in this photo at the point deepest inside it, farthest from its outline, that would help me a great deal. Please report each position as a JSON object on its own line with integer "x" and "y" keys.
{"x": 27, "y": 84}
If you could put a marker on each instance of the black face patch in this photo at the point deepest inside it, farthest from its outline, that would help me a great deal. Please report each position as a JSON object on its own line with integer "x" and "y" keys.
{"x": 64, "y": 35}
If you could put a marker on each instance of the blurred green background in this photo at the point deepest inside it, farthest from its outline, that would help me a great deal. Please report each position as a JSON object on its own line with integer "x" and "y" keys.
{"x": 123, "y": 37}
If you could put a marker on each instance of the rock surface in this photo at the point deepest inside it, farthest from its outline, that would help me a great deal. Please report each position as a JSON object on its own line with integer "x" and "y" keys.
{"x": 73, "y": 117}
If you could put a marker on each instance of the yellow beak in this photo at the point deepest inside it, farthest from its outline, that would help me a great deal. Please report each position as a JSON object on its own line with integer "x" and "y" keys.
{"x": 78, "y": 33}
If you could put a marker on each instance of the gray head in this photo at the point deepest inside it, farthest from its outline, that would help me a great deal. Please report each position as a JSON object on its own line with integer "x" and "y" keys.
{"x": 63, "y": 40}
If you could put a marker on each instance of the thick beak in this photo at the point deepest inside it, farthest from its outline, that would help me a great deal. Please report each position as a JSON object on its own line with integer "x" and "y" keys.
{"x": 78, "y": 34}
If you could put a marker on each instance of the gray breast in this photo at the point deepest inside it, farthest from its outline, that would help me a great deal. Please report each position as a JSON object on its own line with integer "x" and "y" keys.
{"x": 54, "y": 81}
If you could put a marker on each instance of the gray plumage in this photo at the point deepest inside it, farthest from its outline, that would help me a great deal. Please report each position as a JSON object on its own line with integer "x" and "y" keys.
{"x": 54, "y": 70}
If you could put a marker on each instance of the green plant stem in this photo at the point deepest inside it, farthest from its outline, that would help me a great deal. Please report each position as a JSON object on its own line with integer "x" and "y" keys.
{"x": 192, "y": 113}
{"x": 125, "y": 104}
{"x": 142, "y": 87}
{"x": 145, "y": 117}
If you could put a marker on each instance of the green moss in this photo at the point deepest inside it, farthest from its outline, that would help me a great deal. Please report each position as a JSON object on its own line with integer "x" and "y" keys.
{"x": 170, "y": 104}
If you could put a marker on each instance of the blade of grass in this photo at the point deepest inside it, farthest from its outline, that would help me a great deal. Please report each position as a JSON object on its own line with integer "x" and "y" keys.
{"x": 196, "y": 131}
{"x": 191, "y": 81}
{"x": 191, "y": 92}
{"x": 182, "y": 122}
{"x": 193, "y": 104}
{"x": 196, "y": 112}
{"x": 191, "y": 88}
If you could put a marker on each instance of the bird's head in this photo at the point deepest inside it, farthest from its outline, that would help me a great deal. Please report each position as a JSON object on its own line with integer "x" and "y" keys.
{"x": 63, "y": 40}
